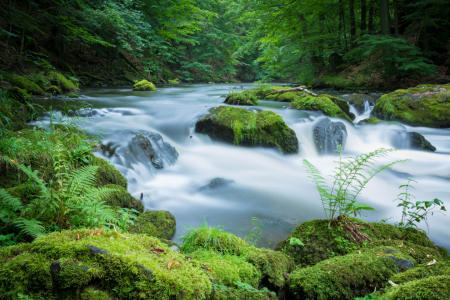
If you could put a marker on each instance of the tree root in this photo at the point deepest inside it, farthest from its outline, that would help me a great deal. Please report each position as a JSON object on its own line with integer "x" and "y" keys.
{"x": 353, "y": 230}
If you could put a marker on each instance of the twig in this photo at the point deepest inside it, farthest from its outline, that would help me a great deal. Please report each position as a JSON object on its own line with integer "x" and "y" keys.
{"x": 296, "y": 89}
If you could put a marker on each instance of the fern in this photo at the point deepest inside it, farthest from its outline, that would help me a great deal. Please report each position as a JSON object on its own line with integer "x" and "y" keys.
{"x": 350, "y": 177}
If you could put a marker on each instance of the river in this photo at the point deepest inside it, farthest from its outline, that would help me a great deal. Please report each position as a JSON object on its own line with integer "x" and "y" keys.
{"x": 265, "y": 183}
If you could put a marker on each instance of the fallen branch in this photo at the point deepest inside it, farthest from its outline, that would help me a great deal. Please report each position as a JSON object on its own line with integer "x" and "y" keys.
{"x": 296, "y": 89}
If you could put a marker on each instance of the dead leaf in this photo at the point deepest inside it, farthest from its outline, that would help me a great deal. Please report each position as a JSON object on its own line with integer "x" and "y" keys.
{"x": 400, "y": 244}
{"x": 414, "y": 251}
{"x": 359, "y": 252}
{"x": 429, "y": 256}
{"x": 176, "y": 264}
{"x": 92, "y": 232}
{"x": 78, "y": 236}
{"x": 170, "y": 263}
{"x": 13, "y": 161}
{"x": 431, "y": 262}
{"x": 127, "y": 251}
{"x": 208, "y": 269}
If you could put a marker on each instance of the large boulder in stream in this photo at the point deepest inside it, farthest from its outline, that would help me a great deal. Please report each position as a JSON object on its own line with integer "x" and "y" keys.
{"x": 424, "y": 105}
{"x": 239, "y": 126}
{"x": 155, "y": 148}
{"x": 416, "y": 141}
{"x": 216, "y": 183}
{"x": 329, "y": 136}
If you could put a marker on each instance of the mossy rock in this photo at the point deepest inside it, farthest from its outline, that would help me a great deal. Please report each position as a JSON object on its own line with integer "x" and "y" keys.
{"x": 322, "y": 103}
{"x": 374, "y": 121}
{"x": 344, "y": 277}
{"x": 241, "y": 292}
{"x": 323, "y": 242}
{"x": 144, "y": 85}
{"x": 286, "y": 97}
{"x": 242, "y": 127}
{"x": 26, "y": 84}
{"x": 424, "y": 105}
{"x": 121, "y": 198}
{"x": 53, "y": 89}
{"x": 20, "y": 95}
{"x": 421, "y": 272}
{"x": 342, "y": 104}
{"x": 174, "y": 81}
{"x": 95, "y": 294}
{"x": 430, "y": 288}
{"x": 62, "y": 82}
{"x": 359, "y": 101}
{"x": 157, "y": 223}
{"x": 108, "y": 174}
{"x": 127, "y": 266}
{"x": 244, "y": 98}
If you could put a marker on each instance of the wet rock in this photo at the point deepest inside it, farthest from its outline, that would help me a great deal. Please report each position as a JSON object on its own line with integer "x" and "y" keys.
{"x": 328, "y": 136}
{"x": 155, "y": 148}
{"x": 241, "y": 127}
{"x": 402, "y": 263}
{"x": 361, "y": 102}
{"x": 216, "y": 183}
{"x": 95, "y": 251}
{"x": 416, "y": 141}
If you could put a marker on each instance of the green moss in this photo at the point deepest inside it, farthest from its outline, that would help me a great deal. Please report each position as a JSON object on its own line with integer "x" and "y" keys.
{"x": 286, "y": 97}
{"x": 53, "y": 89}
{"x": 243, "y": 127}
{"x": 157, "y": 223}
{"x": 421, "y": 272}
{"x": 244, "y": 98}
{"x": 222, "y": 292}
{"x": 228, "y": 269}
{"x": 26, "y": 84}
{"x": 344, "y": 277}
{"x": 371, "y": 121}
{"x": 274, "y": 265}
{"x": 342, "y": 104}
{"x": 323, "y": 242}
{"x": 174, "y": 81}
{"x": 433, "y": 287}
{"x": 144, "y": 85}
{"x": 62, "y": 82}
{"x": 416, "y": 106}
{"x": 121, "y": 198}
{"x": 95, "y": 294}
{"x": 20, "y": 95}
{"x": 322, "y": 103}
{"x": 108, "y": 174}
{"x": 130, "y": 268}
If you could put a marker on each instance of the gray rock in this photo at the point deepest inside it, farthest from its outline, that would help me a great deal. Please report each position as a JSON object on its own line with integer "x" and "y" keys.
{"x": 95, "y": 251}
{"x": 156, "y": 150}
{"x": 5, "y": 85}
{"x": 216, "y": 183}
{"x": 146, "y": 271}
{"x": 328, "y": 136}
{"x": 416, "y": 141}
{"x": 402, "y": 263}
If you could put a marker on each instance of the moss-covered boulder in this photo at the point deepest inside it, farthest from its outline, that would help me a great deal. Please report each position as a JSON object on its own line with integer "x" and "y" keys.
{"x": 26, "y": 84}
{"x": 374, "y": 121}
{"x": 62, "y": 82}
{"x": 424, "y": 271}
{"x": 343, "y": 105}
{"x": 121, "y": 198}
{"x": 144, "y": 85}
{"x": 322, "y": 103}
{"x": 20, "y": 95}
{"x": 242, "y": 127}
{"x": 108, "y": 174}
{"x": 53, "y": 89}
{"x": 244, "y": 98}
{"x": 157, "y": 223}
{"x": 322, "y": 242}
{"x": 424, "y": 105}
{"x": 62, "y": 265}
{"x": 430, "y": 288}
{"x": 285, "y": 97}
{"x": 344, "y": 277}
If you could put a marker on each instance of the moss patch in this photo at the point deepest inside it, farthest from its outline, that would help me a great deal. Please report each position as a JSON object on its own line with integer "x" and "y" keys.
{"x": 242, "y": 127}
{"x": 62, "y": 82}
{"x": 434, "y": 287}
{"x": 343, "y": 277}
{"x": 144, "y": 85}
{"x": 244, "y": 98}
{"x": 342, "y": 104}
{"x": 108, "y": 174}
{"x": 26, "y": 84}
{"x": 424, "y": 105}
{"x": 157, "y": 223}
{"x": 122, "y": 198}
{"x": 322, "y": 103}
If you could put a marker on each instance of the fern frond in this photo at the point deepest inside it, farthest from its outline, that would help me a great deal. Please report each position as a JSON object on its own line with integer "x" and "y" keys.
{"x": 31, "y": 227}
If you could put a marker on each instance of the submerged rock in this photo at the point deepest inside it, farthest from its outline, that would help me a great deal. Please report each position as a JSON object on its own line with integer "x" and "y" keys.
{"x": 155, "y": 148}
{"x": 241, "y": 127}
{"x": 424, "y": 105}
{"x": 216, "y": 183}
{"x": 329, "y": 136}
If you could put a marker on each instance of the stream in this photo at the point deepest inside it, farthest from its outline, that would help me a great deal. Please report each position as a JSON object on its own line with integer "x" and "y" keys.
{"x": 265, "y": 183}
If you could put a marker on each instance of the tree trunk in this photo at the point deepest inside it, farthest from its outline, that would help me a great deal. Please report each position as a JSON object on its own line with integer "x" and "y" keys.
{"x": 363, "y": 16}
{"x": 396, "y": 19}
{"x": 385, "y": 17}
{"x": 371, "y": 15}
{"x": 22, "y": 39}
{"x": 352, "y": 23}
{"x": 342, "y": 16}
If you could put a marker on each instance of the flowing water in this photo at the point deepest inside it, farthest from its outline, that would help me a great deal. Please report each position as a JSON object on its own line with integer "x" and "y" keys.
{"x": 265, "y": 183}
